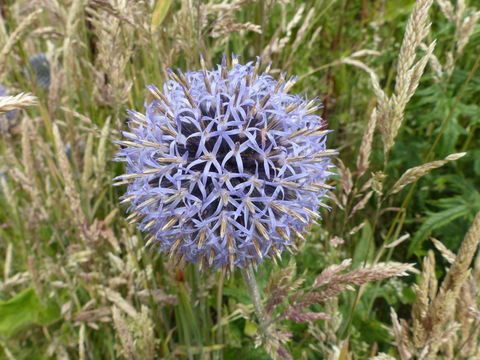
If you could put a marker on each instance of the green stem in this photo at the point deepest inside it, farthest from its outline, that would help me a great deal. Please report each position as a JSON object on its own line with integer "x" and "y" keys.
{"x": 254, "y": 291}
{"x": 219, "y": 334}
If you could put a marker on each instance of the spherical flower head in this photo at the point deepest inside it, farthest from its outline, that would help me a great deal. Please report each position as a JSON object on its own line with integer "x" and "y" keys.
{"x": 225, "y": 167}
{"x": 41, "y": 69}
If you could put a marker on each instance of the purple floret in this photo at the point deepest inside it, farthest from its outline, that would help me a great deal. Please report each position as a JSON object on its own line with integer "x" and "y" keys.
{"x": 225, "y": 167}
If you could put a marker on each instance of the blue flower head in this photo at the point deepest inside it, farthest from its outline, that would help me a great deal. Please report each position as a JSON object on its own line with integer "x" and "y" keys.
{"x": 225, "y": 167}
{"x": 41, "y": 70}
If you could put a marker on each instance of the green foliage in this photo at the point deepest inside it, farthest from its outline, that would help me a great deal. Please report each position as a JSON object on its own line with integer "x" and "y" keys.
{"x": 24, "y": 310}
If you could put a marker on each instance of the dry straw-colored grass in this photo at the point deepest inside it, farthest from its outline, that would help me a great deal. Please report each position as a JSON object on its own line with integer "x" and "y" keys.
{"x": 415, "y": 173}
{"x": 442, "y": 323}
{"x": 17, "y": 102}
{"x": 391, "y": 110}
{"x": 14, "y": 38}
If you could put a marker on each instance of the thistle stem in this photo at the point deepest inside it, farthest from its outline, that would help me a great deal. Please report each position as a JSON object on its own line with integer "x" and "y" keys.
{"x": 254, "y": 291}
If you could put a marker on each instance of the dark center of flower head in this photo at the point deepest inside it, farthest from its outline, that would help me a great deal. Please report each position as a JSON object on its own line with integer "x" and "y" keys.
{"x": 225, "y": 167}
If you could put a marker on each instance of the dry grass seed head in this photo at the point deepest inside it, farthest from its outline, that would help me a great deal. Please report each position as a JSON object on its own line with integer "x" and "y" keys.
{"x": 401, "y": 334}
{"x": 365, "y": 150}
{"x": 464, "y": 258}
{"x": 391, "y": 111}
{"x": 424, "y": 292}
{"x": 446, "y": 253}
{"x": 70, "y": 187}
{"x": 124, "y": 333}
{"x": 415, "y": 173}
{"x": 465, "y": 31}
{"x": 14, "y": 37}
{"x": 382, "y": 356}
{"x": 115, "y": 36}
{"x": 17, "y": 102}
{"x": 434, "y": 323}
{"x": 29, "y": 168}
{"x": 447, "y": 9}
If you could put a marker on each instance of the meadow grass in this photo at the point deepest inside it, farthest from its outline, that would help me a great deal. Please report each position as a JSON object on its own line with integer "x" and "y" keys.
{"x": 399, "y": 83}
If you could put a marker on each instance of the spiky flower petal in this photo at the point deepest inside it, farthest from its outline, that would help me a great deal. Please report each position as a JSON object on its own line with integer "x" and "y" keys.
{"x": 225, "y": 167}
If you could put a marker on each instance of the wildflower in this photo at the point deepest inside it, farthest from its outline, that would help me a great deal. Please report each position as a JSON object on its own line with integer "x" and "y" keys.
{"x": 225, "y": 167}
{"x": 41, "y": 70}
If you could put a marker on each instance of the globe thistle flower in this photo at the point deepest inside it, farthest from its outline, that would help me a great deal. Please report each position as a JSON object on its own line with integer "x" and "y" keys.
{"x": 225, "y": 167}
{"x": 41, "y": 69}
